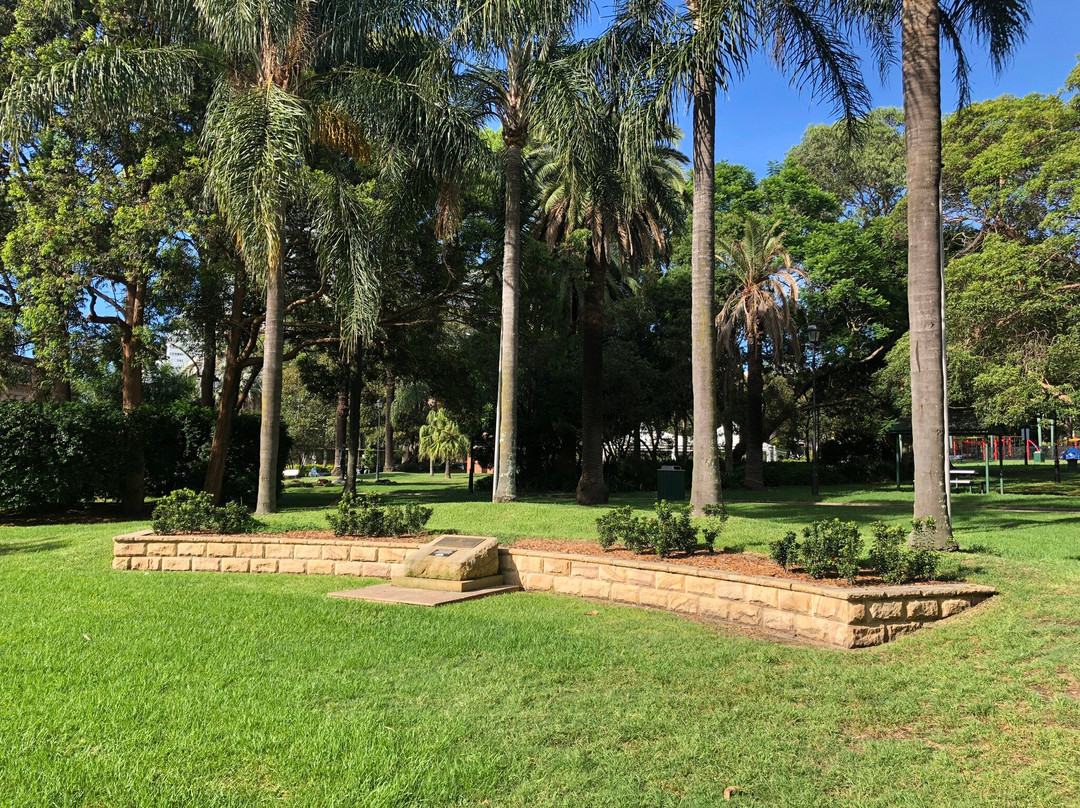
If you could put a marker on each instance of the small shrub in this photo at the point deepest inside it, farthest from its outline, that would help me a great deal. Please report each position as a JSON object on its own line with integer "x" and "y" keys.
{"x": 894, "y": 561}
{"x": 785, "y": 550}
{"x": 829, "y": 545}
{"x": 186, "y": 511}
{"x": 368, "y": 515}
{"x": 715, "y": 520}
{"x": 674, "y": 531}
{"x": 613, "y": 526}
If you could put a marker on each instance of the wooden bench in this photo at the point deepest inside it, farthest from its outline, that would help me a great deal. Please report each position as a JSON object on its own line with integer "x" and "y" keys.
{"x": 960, "y": 479}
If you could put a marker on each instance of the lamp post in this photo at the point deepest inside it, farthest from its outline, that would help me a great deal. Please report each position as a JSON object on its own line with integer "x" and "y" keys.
{"x": 378, "y": 424}
{"x": 813, "y": 336}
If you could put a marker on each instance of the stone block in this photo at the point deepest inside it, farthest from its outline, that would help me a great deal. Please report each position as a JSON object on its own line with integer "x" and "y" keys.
{"x": 172, "y": 564}
{"x": 640, "y": 577}
{"x": 526, "y": 563}
{"x": 235, "y": 564}
{"x": 789, "y": 601}
{"x": 121, "y": 563}
{"x": 562, "y": 585}
{"x": 129, "y": 548}
{"x": 673, "y": 582}
{"x": 624, "y": 593}
{"x": 856, "y": 611}
{"x": 145, "y": 563}
{"x": 205, "y": 564}
{"x": 580, "y": 569}
{"x": 700, "y": 586}
{"x": 512, "y": 578}
{"x": 452, "y": 558}
{"x": 811, "y": 628}
{"x": 161, "y": 548}
{"x": 923, "y": 609}
{"x": 716, "y": 608}
{"x": 778, "y": 621}
{"x": 953, "y": 606}
{"x": 191, "y": 548}
{"x": 829, "y": 607}
{"x": 764, "y": 595}
{"x": 730, "y": 590}
{"x": 355, "y": 568}
{"x": 307, "y": 551}
{"x": 264, "y": 565}
{"x": 592, "y": 588}
{"x": 538, "y": 582}
{"x": 747, "y": 614}
{"x": 250, "y": 549}
{"x": 279, "y": 550}
{"x": 556, "y": 566}
{"x": 861, "y": 636}
{"x": 886, "y": 609}
{"x": 292, "y": 566}
{"x": 375, "y": 569}
{"x": 318, "y": 567}
{"x": 392, "y": 555}
{"x": 220, "y": 550}
{"x": 900, "y": 629}
{"x": 657, "y": 598}
{"x": 363, "y": 554}
{"x": 616, "y": 575}
{"x": 684, "y": 604}
{"x": 335, "y": 552}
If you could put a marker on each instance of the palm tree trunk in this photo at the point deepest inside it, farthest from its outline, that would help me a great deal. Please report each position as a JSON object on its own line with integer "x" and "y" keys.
{"x": 446, "y": 470}
{"x": 341, "y": 427}
{"x": 356, "y": 387}
{"x": 431, "y": 465}
{"x": 273, "y": 349}
{"x": 591, "y": 487}
{"x": 755, "y": 385}
{"x": 230, "y": 395}
{"x": 705, "y": 488}
{"x": 388, "y": 423}
{"x": 922, "y": 112}
{"x": 506, "y": 485}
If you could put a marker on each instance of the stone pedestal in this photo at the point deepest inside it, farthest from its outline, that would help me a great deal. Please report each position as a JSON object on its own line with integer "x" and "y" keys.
{"x": 453, "y": 564}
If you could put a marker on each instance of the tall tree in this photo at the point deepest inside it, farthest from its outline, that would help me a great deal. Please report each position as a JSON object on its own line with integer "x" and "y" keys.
{"x": 763, "y": 304}
{"x": 513, "y": 40}
{"x": 695, "y": 54}
{"x": 621, "y": 196}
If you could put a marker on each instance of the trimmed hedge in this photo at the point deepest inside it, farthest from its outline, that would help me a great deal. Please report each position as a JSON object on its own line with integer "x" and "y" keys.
{"x": 59, "y": 456}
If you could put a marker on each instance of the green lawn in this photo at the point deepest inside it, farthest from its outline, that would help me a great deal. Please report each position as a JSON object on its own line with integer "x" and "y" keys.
{"x": 155, "y": 689}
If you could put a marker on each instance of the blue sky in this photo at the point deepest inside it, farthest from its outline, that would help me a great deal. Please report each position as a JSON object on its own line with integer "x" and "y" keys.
{"x": 763, "y": 115}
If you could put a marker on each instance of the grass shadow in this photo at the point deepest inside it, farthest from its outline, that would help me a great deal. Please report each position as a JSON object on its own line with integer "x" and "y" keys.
{"x": 42, "y": 546}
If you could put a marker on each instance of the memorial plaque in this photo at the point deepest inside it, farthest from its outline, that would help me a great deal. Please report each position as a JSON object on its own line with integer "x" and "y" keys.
{"x": 458, "y": 562}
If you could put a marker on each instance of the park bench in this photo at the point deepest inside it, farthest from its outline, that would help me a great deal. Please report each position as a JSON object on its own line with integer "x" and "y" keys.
{"x": 964, "y": 479}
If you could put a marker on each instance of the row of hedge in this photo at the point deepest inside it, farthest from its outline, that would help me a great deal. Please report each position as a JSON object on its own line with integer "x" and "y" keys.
{"x": 59, "y": 456}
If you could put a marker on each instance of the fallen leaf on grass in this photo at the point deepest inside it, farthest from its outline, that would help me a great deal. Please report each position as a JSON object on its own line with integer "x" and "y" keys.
{"x": 590, "y": 614}
{"x": 730, "y": 791}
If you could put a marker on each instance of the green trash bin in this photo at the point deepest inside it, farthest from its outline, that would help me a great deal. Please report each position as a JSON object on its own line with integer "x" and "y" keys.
{"x": 1036, "y": 457}
{"x": 671, "y": 484}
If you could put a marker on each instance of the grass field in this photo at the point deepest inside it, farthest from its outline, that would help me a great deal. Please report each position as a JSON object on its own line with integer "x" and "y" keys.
{"x": 152, "y": 689}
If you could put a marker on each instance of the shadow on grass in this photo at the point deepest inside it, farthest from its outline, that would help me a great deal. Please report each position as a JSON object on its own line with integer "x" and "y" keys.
{"x": 98, "y": 514}
{"x": 42, "y": 546}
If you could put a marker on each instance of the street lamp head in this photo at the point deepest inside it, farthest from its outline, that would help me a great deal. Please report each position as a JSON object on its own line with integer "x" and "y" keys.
{"x": 813, "y": 334}
{"x": 378, "y": 404}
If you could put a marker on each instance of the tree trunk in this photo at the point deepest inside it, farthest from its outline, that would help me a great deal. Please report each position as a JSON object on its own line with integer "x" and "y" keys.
{"x": 388, "y": 423}
{"x": 922, "y": 113}
{"x": 431, "y": 465}
{"x": 591, "y": 487}
{"x": 505, "y": 489}
{"x": 341, "y": 426}
{"x": 705, "y": 488}
{"x": 230, "y": 394}
{"x": 132, "y": 381}
{"x": 727, "y": 417}
{"x": 753, "y": 425}
{"x": 447, "y": 469}
{"x": 209, "y": 366}
{"x": 472, "y": 465}
{"x": 356, "y": 388}
{"x": 273, "y": 349}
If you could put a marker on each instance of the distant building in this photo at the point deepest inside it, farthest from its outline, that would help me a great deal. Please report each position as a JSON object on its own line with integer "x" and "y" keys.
{"x": 182, "y": 358}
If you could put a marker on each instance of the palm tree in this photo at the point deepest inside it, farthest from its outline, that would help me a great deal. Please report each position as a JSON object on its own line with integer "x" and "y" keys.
{"x": 998, "y": 26}
{"x": 514, "y": 40}
{"x": 624, "y": 194}
{"x": 694, "y": 54}
{"x": 441, "y": 439}
{"x": 763, "y": 303}
{"x": 295, "y": 79}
